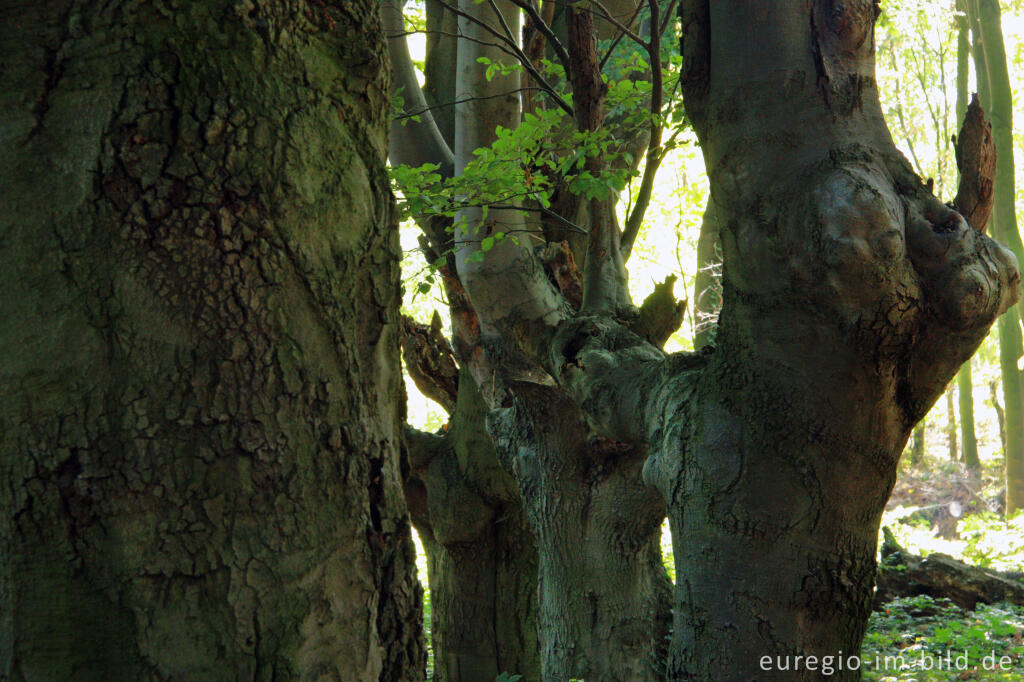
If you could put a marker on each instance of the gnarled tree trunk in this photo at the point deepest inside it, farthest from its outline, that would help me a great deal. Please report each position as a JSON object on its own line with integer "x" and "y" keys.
{"x": 199, "y": 412}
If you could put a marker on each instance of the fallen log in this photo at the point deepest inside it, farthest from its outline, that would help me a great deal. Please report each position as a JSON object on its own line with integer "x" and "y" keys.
{"x": 902, "y": 574}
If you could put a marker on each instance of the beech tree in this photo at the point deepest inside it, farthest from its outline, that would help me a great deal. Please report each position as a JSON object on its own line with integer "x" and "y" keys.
{"x": 200, "y": 416}
{"x": 851, "y": 296}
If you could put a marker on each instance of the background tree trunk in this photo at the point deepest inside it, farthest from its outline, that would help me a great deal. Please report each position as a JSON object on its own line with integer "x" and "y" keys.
{"x": 200, "y": 405}
{"x": 964, "y": 383}
{"x": 996, "y": 97}
{"x": 917, "y": 444}
{"x": 970, "y": 441}
{"x": 951, "y": 428}
{"x": 707, "y": 285}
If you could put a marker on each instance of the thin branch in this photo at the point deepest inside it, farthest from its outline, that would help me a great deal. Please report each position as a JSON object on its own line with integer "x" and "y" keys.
{"x": 542, "y": 26}
{"x": 606, "y": 15}
{"x": 442, "y": 105}
{"x": 618, "y": 38}
{"x": 518, "y": 53}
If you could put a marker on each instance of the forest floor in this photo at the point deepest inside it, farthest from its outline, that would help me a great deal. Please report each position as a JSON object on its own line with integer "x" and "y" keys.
{"x": 941, "y": 507}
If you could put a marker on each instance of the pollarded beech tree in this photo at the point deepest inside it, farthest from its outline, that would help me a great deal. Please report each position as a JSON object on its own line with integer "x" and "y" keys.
{"x": 851, "y": 295}
{"x": 200, "y": 388}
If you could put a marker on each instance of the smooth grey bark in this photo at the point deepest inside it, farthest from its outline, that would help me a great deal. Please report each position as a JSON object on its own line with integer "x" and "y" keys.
{"x": 199, "y": 415}
{"x": 994, "y": 88}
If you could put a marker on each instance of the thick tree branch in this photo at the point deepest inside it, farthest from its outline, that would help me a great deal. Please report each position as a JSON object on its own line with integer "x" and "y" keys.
{"x": 661, "y": 314}
{"x": 976, "y": 160}
{"x": 429, "y": 360}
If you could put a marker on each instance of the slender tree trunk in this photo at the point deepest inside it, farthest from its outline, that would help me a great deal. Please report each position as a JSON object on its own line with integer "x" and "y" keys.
{"x": 951, "y": 428}
{"x": 965, "y": 385}
{"x": 199, "y": 400}
{"x": 917, "y": 444}
{"x": 990, "y": 60}
{"x": 1000, "y": 414}
{"x": 970, "y": 441}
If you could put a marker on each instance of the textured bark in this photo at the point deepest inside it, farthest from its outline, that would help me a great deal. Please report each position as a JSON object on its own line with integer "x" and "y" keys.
{"x": 199, "y": 414}
{"x": 603, "y": 592}
{"x": 482, "y": 561}
{"x": 851, "y": 296}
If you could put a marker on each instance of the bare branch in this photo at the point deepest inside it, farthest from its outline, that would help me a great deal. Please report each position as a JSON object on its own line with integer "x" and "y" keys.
{"x": 655, "y": 152}
{"x": 413, "y": 114}
{"x": 542, "y": 26}
{"x": 626, "y": 30}
{"x": 518, "y": 53}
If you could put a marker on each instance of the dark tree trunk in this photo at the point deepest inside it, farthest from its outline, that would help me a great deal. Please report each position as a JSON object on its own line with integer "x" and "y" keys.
{"x": 200, "y": 394}
{"x": 482, "y": 559}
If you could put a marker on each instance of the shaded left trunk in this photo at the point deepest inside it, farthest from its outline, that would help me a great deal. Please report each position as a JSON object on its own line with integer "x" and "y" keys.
{"x": 199, "y": 398}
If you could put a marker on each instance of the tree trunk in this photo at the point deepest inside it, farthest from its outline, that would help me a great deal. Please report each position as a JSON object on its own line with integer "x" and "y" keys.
{"x": 951, "y": 441}
{"x": 602, "y": 612}
{"x": 482, "y": 559}
{"x": 963, "y": 378}
{"x": 199, "y": 414}
{"x": 917, "y": 444}
{"x": 786, "y": 449}
{"x": 990, "y": 60}
{"x": 1000, "y": 415}
{"x": 970, "y": 441}
{"x": 603, "y": 591}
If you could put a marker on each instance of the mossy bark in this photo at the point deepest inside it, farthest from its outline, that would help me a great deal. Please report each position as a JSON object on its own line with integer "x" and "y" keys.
{"x": 199, "y": 413}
